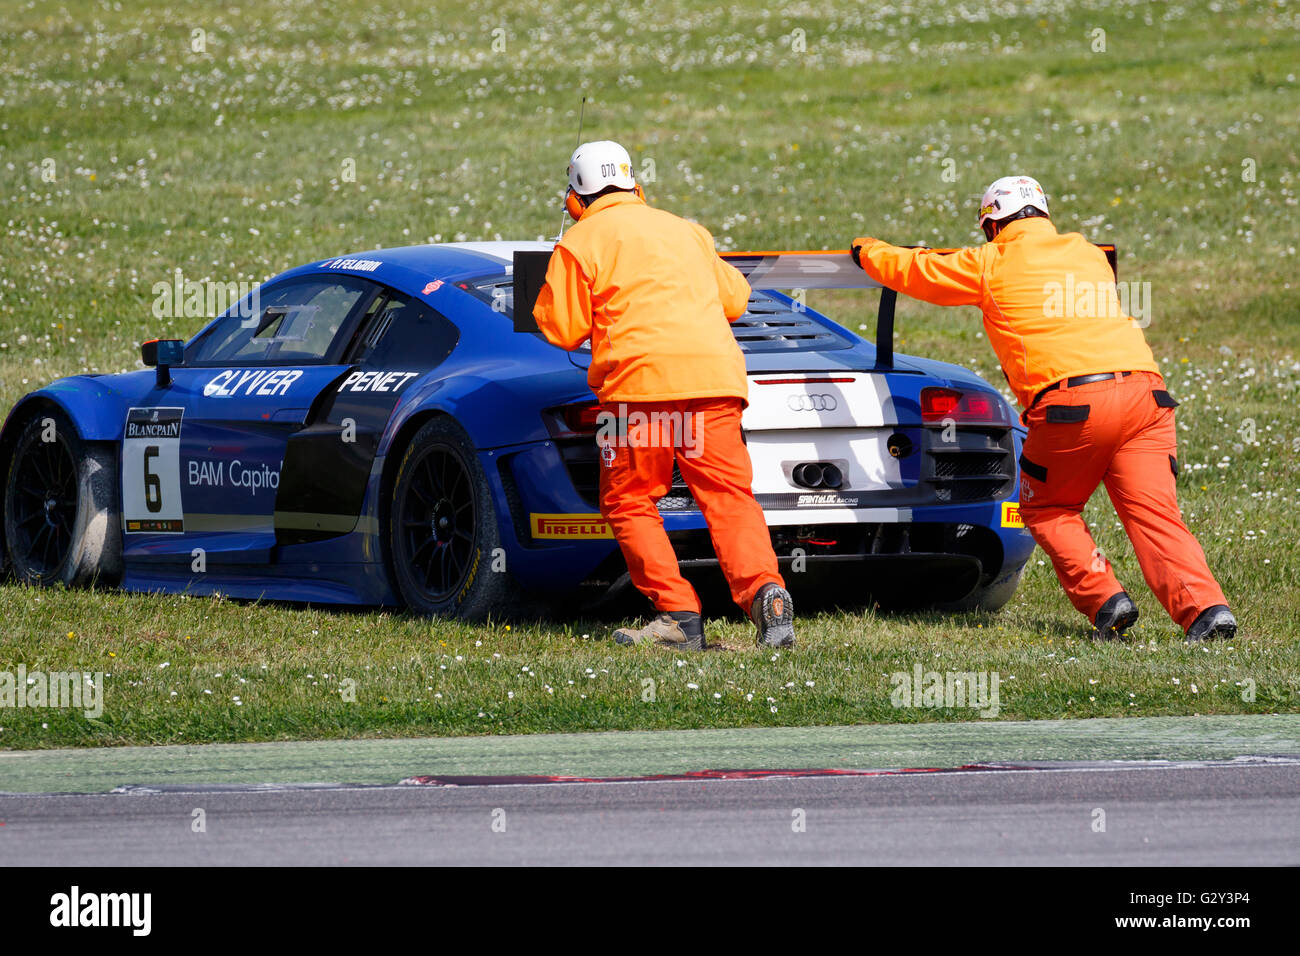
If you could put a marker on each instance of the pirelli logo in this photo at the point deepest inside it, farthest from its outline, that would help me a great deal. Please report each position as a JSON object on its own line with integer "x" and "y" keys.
{"x": 1011, "y": 515}
{"x": 570, "y": 527}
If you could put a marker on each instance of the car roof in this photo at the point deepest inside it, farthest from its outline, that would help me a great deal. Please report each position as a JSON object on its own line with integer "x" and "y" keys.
{"x": 409, "y": 268}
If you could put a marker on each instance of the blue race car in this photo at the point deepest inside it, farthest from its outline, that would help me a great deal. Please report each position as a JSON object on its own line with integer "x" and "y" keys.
{"x": 373, "y": 430}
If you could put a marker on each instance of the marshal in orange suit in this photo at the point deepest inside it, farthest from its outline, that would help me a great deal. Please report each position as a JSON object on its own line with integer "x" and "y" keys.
{"x": 1095, "y": 405}
{"x": 650, "y": 292}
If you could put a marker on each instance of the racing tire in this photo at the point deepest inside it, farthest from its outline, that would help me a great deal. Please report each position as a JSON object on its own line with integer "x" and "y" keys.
{"x": 62, "y": 524}
{"x": 990, "y": 598}
{"x": 442, "y": 532}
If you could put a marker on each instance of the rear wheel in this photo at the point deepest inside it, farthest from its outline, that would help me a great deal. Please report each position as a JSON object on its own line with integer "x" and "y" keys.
{"x": 61, "y": 520}
{"x": 443, "y": 537}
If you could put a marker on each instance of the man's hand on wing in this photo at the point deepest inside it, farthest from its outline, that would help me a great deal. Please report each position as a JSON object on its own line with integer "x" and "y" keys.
{"x": 856, "y": 247}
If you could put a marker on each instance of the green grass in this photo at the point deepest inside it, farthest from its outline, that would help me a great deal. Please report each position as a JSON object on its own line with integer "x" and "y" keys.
{"x": 227, "y": 164}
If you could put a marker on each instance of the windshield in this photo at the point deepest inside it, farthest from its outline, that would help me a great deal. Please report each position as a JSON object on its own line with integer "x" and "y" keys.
{"x": 292, "y": 322}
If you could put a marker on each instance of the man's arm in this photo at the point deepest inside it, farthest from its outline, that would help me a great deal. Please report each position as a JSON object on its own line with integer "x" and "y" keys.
{"x": 563, "y": 309}
{"x": 950, "y": 278}
{"x": 733, "y": 287}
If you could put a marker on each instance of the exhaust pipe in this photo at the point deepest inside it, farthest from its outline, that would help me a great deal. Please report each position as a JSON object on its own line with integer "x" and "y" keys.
{"x": 817, "y": 474}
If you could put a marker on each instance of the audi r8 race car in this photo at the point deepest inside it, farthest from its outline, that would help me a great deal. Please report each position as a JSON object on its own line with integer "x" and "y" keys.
{"x": 373, "y": 430}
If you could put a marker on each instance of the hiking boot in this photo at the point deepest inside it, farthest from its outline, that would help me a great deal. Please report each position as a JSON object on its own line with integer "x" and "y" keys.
{"x": 773, "y": 614}
{"x": 1216, "y": 621}
{"x": 1116, "y": 616}
{"x": 681, "y": 630}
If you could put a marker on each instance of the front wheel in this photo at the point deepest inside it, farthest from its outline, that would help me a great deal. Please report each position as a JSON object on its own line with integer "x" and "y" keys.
{"x": 61, "y": 518}
{"x": 443, "y": 540}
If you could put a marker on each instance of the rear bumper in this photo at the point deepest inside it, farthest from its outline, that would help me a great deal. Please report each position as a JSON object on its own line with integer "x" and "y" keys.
{"x": 540, "y": 482}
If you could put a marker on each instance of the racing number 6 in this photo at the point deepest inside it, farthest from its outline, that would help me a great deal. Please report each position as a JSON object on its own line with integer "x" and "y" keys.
{"x": 152, "y": 483}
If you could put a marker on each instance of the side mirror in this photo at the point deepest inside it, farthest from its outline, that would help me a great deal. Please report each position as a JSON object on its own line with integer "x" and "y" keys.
{"x": 162, "y": 354}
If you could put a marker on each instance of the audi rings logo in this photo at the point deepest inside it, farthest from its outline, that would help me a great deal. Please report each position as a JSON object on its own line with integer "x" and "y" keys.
{"x": 812, "y": 403}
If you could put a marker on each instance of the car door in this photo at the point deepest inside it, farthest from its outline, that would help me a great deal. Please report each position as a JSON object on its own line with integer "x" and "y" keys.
{"x": 201, "y": 458}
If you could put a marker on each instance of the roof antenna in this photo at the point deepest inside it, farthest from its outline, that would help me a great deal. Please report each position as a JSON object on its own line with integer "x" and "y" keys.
{"x": 582, "y": 110}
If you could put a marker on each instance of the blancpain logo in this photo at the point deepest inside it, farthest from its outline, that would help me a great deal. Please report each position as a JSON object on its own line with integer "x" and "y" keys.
{"x": 75, "y": 908}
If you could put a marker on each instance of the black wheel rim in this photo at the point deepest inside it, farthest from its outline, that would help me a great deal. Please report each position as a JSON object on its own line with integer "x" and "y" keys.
{"x": 438, "y": 518}
{"x": 42, "y": 505}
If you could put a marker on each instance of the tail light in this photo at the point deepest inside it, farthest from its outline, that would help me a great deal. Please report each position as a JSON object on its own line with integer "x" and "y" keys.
{"x": 968, "y": 408}
{"x": 579, "y": 420}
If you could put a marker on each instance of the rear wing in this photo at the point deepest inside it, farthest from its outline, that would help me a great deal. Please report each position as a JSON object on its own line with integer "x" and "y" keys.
{"x": 835, "y": 269}
{"x": 824, "y": 269}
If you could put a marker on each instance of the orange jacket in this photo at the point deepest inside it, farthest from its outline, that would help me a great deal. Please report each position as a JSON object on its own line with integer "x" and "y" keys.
{"x": 650, "y": 292}
{"x": 1049, "y": 301}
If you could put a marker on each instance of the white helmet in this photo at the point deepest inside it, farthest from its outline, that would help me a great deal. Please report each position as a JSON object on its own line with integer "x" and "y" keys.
{"x": 1009, "y": 195}
{"x": 594, "y": 166}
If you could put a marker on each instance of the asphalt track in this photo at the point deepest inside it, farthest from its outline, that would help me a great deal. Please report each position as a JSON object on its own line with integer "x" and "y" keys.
{"x": 1208, "y": 814}
{"x": 1157, "y": 791}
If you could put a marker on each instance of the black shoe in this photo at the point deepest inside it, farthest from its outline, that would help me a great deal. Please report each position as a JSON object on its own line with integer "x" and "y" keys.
{"x": 1213, "y": 622}
{"x": 1116, "y": 616}
{"x": 773, "y": 614}
{"x": 681, "y": 630}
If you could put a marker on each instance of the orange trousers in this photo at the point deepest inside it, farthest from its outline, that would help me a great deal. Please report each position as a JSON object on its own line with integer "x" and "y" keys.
{"x": 1120, "y": 432}
{"x": 703, "y": 437}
